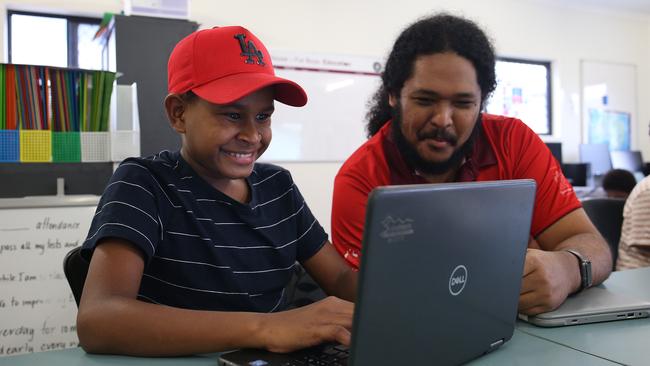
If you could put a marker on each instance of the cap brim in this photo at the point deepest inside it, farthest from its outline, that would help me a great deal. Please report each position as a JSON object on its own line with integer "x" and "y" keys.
{"x": 234, "y": 87}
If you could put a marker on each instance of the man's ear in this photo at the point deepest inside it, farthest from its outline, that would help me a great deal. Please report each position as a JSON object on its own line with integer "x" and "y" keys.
{"x": 175, "y": 109}
{"x": 392, "y": 100}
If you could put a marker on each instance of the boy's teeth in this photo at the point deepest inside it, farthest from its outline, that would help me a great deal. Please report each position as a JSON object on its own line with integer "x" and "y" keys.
{"x": 239, "y": 155}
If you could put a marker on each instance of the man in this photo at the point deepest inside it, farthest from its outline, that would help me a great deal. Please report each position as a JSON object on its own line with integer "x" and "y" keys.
{"x": 426, "y": 126}
{"x": 190, "y": 251}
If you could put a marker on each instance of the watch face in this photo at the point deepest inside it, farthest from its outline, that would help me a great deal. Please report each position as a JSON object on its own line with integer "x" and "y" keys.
{"x": 587, "y": 273}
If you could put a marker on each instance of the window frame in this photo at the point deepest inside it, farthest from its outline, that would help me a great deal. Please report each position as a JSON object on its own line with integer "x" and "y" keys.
{"x": 549, "y": 87}
{"x": 72, "y": 36}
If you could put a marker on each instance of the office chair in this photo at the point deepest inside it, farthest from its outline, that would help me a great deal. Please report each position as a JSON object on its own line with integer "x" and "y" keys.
{"x": 607, "y": 215}
{"x": 75, "y": 269}
{"x": 302, "y": 289}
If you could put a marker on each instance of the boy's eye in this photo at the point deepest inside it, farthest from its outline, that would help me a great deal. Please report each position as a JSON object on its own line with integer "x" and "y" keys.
{"x": 233, "y": 115}
{"x": 263, "y": 116}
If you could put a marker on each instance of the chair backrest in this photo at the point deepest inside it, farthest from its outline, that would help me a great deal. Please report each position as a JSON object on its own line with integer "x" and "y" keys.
{"x": 75, "y": 269}
{"x": 302, "y": 289}
{"x": 607, "y": 215}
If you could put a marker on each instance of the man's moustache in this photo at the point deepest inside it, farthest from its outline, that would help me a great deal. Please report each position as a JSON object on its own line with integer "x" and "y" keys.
{"x": 439, "y": 135}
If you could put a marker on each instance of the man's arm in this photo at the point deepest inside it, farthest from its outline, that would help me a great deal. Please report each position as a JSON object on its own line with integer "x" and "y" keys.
{"x": 551, "y": 273}
{"x": 331, "y": 272}
{"x": 111, "y": 320}
{"x": 349, "y": 215}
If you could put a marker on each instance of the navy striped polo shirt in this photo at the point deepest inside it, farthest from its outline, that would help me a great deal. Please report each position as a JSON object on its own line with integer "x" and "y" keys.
{"x": 202, "y": 249}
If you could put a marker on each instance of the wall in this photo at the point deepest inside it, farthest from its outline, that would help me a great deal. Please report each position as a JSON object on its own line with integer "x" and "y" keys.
{"x": 530, "y": 29}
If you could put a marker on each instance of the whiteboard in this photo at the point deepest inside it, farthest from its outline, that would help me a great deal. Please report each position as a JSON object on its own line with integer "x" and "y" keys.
{"x": 37, "y": 309}
{"x": 332, "y": 124}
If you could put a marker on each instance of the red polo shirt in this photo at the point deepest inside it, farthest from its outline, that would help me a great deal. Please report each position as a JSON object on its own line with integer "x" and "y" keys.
{"x": 505, "y": 149}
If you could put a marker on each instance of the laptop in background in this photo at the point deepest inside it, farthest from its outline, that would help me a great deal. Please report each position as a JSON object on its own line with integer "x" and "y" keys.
{"x": 593, "y": 305}
{"x": 440, "y": 275}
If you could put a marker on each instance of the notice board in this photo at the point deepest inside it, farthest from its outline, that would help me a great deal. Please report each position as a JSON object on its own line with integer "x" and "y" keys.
{"x": 37, "y": 309}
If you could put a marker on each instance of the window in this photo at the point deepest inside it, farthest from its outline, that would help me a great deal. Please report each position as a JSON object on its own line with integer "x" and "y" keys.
{"x": 523, "y": 91}
{"x": 53, "y": 40}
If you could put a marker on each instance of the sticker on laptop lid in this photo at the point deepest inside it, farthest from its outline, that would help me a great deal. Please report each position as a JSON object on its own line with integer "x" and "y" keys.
{"x": 396, "y": 229}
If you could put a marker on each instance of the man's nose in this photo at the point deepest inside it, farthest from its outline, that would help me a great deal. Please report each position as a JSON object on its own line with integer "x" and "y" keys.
{"x": 442, "y": 114}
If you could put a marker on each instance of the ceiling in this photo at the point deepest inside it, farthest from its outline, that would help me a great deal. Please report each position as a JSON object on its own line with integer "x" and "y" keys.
{"x": 637, "y": 6}
{"x": 641, "y": 7}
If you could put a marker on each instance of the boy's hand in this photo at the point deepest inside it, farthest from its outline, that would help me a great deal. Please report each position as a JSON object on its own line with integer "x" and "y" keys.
{"x": 328, "y": 320}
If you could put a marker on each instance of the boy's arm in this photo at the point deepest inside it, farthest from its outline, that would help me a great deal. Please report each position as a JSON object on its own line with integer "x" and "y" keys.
{"x": 111, "y": 320}
{"x": 332, "y": 273}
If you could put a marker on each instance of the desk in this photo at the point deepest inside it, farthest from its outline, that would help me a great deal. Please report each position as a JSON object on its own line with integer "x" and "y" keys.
{"x": 522, "y": 349}
{"x": 622, "y": 342}
{"x": 625, "y": 341}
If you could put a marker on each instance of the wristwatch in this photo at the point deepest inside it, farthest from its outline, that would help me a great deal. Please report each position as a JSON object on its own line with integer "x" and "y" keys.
{"x": 585, "y": 269}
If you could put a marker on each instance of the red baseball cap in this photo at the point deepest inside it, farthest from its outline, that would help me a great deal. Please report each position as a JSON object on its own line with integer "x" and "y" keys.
{"x": 224, "y": 64}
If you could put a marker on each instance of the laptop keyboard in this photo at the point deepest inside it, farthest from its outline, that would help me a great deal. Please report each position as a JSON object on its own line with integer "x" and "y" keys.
{"x": 327, "y": 355}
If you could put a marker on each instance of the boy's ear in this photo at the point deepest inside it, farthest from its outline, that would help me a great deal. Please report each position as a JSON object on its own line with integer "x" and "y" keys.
{"x": 175, "y": 109}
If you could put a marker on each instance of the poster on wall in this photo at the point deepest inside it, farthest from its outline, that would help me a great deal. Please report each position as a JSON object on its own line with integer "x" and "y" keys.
{"x": 610, "y": 127}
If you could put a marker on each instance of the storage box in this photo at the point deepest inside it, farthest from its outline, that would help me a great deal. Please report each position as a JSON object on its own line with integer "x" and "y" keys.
{"x": 95, "y": 146}
{"x": 35, "y": 146}
{"x": 66, "y": 147}
{"x": 9, "y": 146}
{"x": 124, "y": 144}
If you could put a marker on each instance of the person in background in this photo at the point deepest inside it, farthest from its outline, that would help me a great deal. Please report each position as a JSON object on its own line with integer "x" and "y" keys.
{"x": 426, "y": 126}
{"x": 634, "y": 246}
{"x": 190, "y": 251}
{"x": 618, "y": 183}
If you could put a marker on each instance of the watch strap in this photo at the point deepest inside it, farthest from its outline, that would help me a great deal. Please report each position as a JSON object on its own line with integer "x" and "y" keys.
{"x": 585, "y": 269}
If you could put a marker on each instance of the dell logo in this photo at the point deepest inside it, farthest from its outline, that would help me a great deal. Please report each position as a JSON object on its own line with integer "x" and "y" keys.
{"x": 458, "y": 280}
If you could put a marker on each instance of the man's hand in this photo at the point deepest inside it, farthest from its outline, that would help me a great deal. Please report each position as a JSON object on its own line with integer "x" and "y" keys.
{"x": 549, "y": 277}
{"x": 328, "y": 320}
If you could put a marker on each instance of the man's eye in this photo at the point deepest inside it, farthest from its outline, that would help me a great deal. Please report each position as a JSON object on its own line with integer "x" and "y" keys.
{"x": 465, "y": 103}
{"x": 234, "y": 116}
{"x": 423, "y": 101}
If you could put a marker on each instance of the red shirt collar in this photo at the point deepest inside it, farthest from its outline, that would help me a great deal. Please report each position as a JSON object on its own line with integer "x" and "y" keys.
{"x": 480, "y": 157}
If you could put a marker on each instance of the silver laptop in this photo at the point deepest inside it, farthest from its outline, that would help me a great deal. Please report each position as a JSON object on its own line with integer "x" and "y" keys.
{"x": 440, "y": 275}
{"x": 596, "y": 304}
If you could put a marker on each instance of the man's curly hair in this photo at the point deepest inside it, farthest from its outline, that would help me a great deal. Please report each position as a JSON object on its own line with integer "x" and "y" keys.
{"x": 436, "y": 34}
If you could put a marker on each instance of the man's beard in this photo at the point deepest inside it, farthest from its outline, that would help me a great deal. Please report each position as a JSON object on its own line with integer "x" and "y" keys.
{"x": 415, "y": 161}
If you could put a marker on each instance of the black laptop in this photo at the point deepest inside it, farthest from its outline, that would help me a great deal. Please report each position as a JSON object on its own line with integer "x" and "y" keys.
{"x": 439, "y": 279}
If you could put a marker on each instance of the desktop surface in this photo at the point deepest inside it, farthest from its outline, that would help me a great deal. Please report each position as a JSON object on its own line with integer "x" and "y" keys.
{"x": 624, "y": 341}
{"x": 522, "y": 349}
{"x": 618, "y": 342}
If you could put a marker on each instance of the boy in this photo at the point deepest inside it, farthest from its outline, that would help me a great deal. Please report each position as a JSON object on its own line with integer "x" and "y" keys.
{"x": 190, "y": 251}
